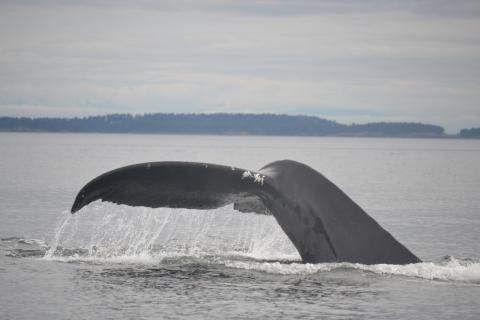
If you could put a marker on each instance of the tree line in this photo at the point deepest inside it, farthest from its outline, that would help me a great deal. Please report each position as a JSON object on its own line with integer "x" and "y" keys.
{"x": 219, "y": 123}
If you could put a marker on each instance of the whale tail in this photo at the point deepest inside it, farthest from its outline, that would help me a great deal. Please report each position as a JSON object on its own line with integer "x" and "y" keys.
{"x": 322, "y": 222}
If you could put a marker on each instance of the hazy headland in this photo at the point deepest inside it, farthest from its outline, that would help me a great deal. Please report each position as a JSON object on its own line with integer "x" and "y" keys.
{"x": 228, "y": 124}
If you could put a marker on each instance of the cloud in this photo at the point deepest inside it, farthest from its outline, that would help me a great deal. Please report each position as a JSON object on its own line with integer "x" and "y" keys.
{"x": 408, "y": 60}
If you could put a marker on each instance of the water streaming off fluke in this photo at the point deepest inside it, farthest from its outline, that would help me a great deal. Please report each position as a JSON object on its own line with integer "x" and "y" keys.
{"x": 106, "y": 231}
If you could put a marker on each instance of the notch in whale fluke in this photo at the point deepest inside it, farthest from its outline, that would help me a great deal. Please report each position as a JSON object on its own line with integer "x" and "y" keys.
{"x": 323, "y": 223}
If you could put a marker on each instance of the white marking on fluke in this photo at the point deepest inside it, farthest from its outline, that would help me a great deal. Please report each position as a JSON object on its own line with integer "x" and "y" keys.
{"x": 257, "y": 177}
{"x": 247, "y": 174}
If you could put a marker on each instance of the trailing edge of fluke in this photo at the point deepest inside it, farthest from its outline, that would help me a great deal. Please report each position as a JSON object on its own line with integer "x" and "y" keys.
{"x": 323, "y": 223}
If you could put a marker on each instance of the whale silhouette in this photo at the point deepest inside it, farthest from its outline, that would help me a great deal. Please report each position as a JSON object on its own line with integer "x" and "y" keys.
{"x": 322, "y": 222}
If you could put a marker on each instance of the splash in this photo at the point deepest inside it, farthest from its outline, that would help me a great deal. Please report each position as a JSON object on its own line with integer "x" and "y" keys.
{"x": 107, "y": 233}
{"x": 121, "y": 233}
{"x": 59, "y": 230}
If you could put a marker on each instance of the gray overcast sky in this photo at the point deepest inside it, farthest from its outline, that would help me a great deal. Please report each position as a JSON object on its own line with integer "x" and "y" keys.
{"x": 351, "y": 61}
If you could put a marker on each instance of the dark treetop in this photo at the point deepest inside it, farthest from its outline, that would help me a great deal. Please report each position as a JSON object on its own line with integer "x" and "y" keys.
{"x": 470, "y": 133}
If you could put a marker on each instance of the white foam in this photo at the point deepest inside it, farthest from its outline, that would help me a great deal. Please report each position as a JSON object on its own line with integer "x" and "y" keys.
{"x": 142, "y": 258}
{"x": 39, "y": 242}
{"x": 282, "y": 268}
{"x": 453, "y": 270}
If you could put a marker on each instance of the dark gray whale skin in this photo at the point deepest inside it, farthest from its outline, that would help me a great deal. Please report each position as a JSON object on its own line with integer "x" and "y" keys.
{"x": 323, "y": 223}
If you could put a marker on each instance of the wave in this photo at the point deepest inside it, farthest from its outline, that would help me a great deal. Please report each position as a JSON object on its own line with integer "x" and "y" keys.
{"x": 452, "y": 270}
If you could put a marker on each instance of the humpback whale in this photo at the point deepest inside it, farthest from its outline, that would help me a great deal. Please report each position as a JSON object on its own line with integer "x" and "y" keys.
{"x": 321, "y": 221}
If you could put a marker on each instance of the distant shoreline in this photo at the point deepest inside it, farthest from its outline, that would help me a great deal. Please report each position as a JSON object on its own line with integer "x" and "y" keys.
{"x": 445, "y": 137}
{"x": 229, "y": 125}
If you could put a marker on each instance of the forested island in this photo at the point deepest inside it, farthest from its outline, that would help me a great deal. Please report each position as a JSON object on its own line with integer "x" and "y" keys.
{"x": 222, "y": 123}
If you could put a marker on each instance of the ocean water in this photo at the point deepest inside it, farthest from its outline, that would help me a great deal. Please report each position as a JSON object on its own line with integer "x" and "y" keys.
{"x": 117, "y": 262}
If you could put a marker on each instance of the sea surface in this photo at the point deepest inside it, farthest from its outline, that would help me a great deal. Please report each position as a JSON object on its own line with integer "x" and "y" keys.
{"x": 117, "y": 262}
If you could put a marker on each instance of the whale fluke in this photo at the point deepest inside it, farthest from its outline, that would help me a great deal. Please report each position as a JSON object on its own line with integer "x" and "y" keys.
{"x": 322, "y": 222}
